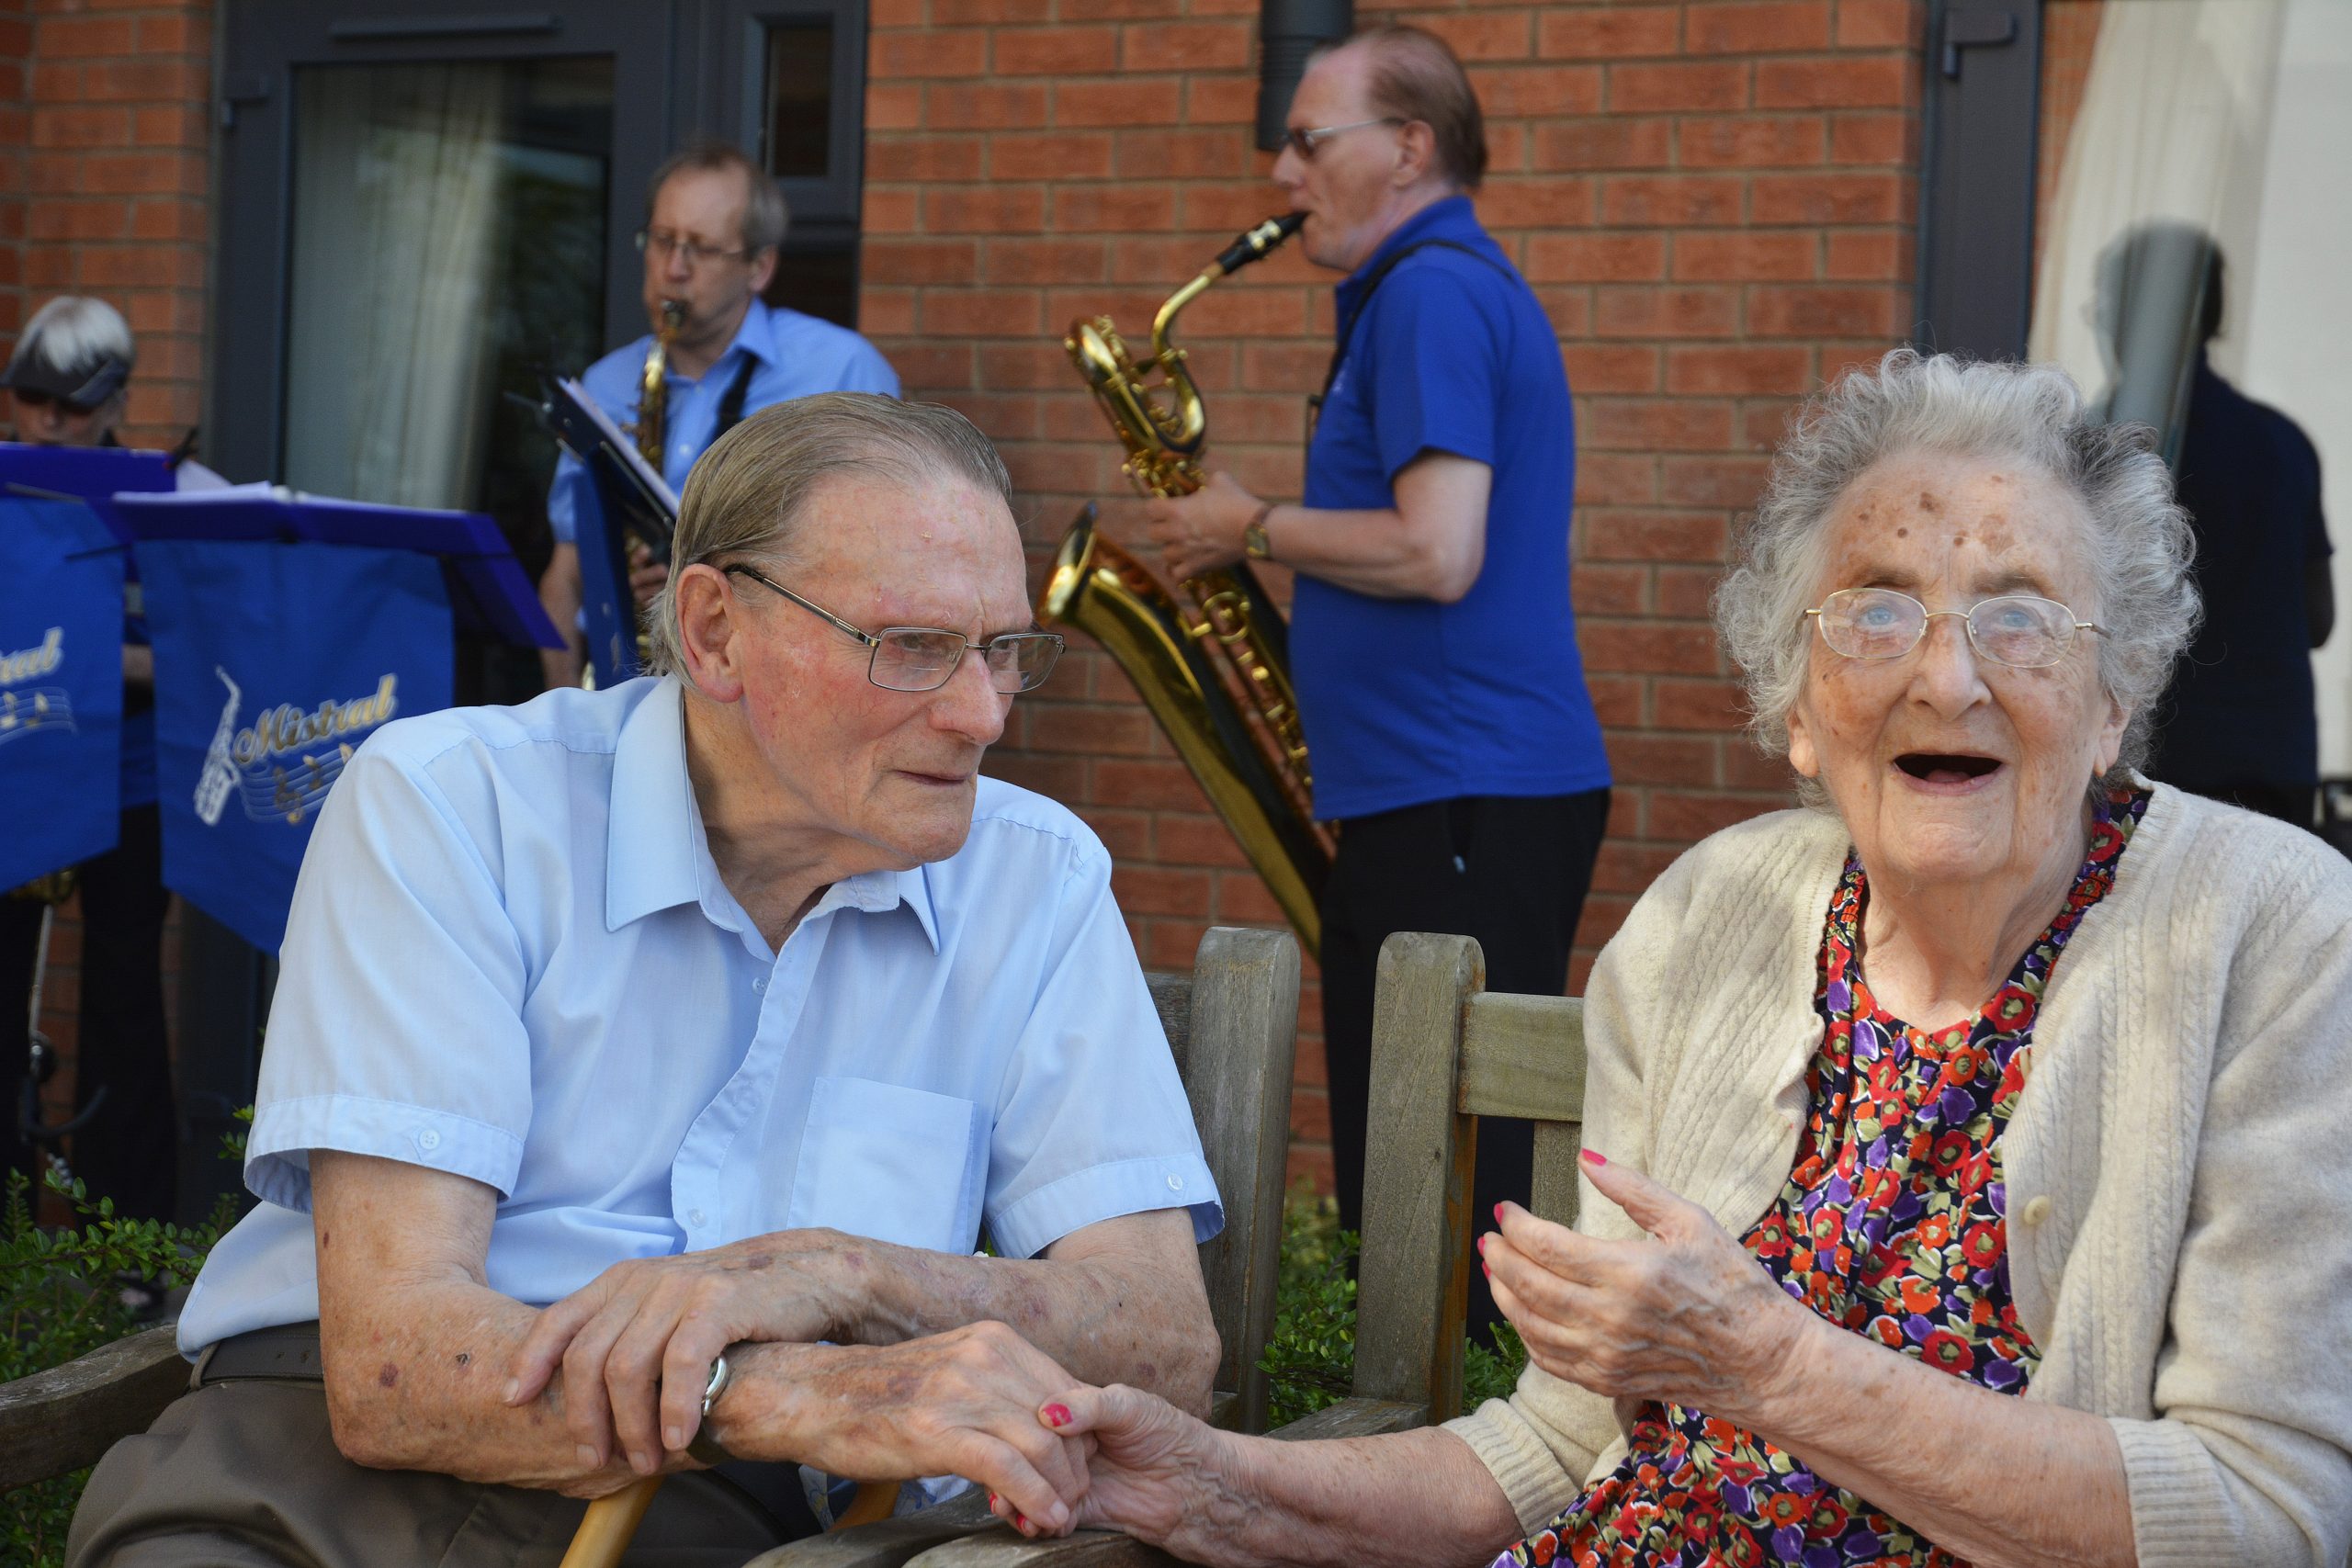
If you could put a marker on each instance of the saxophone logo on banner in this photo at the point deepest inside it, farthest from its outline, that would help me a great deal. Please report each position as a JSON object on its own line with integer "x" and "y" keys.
{"x": 275, "y": 662}
{"x": 61, "y": 687}
{"x": 284, "y": 764}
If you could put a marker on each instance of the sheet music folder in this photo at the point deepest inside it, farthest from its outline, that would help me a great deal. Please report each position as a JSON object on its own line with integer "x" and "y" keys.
{"x": 633, "y": 494}
{"x": 89, "y": 472}
{"x": 491, "y": 593}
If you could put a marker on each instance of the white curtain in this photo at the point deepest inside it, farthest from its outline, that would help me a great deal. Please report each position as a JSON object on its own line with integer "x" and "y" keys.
{"x": 395, "y": 235}
{"x": 2173, "y": 130}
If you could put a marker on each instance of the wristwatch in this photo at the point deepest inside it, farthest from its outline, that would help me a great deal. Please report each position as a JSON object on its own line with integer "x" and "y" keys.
{"x": 1253, "y": 535}
{"x": 706, "y": 1446}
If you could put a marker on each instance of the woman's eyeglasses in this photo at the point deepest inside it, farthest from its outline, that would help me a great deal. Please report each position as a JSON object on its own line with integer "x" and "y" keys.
{"x": 2020, "y": 630}
{"x": 923, "y": 659}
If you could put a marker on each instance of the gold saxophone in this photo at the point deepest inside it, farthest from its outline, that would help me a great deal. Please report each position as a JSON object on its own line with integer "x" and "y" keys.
{"x": 1250, "y": 760}
{"x": 653, "y": 385}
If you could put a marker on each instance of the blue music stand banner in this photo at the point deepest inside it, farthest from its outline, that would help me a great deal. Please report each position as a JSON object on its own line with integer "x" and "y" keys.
{"x": 61, "y": 687}
{"x": 274, "y": 661}
{"x": 89, "y": 472}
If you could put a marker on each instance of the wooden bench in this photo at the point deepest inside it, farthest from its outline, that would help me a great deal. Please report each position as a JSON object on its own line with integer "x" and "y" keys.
{"x": 1233, "y": 1026}
{"x": 1445, "y": 1052}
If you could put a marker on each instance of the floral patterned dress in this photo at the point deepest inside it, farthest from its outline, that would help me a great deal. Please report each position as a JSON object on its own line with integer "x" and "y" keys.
{"x": 1892, "y": 1226}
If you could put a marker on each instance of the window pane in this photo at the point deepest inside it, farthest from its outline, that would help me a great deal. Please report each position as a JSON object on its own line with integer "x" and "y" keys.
{"x": 800, "y": 100}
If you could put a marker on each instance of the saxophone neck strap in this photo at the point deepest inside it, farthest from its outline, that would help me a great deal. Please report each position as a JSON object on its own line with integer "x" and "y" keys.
{"x": 1364, "y": 301}
{"x": 731, "y": 407}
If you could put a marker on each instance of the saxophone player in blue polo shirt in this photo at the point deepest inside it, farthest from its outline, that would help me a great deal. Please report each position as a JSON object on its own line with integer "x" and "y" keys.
{"x": 1433, "y": 647}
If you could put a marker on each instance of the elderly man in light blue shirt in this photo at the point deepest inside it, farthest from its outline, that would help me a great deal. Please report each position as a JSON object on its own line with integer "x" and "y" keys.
{"x": 724, "y": 1010}
{"x": 713, "y": 222}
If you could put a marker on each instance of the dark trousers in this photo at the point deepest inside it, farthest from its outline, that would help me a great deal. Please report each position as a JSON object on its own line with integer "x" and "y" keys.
{"x": 130, "y": 1152}
{"x": 1509, "y": 871}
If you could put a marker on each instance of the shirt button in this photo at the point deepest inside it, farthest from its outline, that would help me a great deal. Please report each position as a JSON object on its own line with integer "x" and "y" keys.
{"x": 428, "y": 1140}
{"x": 2037, "y": 1211}
{"x": 1175, "y": 1184}
{"x": 760, "y": 985}
{"x": 694, "y": 1218}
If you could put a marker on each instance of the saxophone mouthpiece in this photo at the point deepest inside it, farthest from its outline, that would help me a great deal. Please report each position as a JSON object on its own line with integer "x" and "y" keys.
{"x": 1259, "y": 242}
{"x": 673, "y": 315}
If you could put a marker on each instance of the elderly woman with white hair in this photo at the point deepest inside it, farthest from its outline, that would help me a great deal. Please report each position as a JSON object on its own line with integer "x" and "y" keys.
{"x": 1970, "y": 1152}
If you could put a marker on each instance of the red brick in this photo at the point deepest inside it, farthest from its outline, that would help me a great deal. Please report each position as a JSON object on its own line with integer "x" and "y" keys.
{"x": 1055, "y": 52}
{"x": 887, "y": 312}
{"x": 1111, "y": 208}
{"x": 174, "y": 127}
{"x": 982, "y": 312}
{"x": 1605, "y": 143}
{"x": 1647, "y": 647}
{"x": 1675, "y": 425}
{"x": 85, "y": 37}
{"x": 1483, "y": 35}
{"x": 1549, "y": 203}
{"x": 1617, "y": 699}
{"x": 1056, "y": 778}
{"x": 1655, "y": 312}
{"x": 1117, "y": 10}
{"x": 893, "y": 106}
{"x": 930, "y": 52}
{"x": 1885, "y": 255}
{"x": 1068, "y": 154}
{"x": 1830, "y": 198}
{"x": 1539, "y": 90}
{"x": 71, "y": 220}
{"x": 1569, "y": 309}
{"x": 1890, "y": 23}
{"x": 1089, "y": 730}
{"x": 1759, "y": 30}
{"x": 1126, "y": 834}
{"x": 1875, "y": 139}
{"x": 920, "y": 261}
{"x": 1752, "y": 141}
{"x": 1620, "y": 591}
{"x": 1593, "y": 258}
{"x": 143, "y": 174}
{"x": 1058, "y": 260}
{"x": 1687, "y": 593}
{"x": 960, "y": 105}
{"x": 1220, "y": 100}
{"x": 80, "y": 128}
{"x": 1185, "y": 46}
{"x": 1180, "y": 840}
{"x": 965, "y": 12}
{"x": 1161, "y": 153}
{"x": 1652, "y": 535}
{"x": 1616, "y": 479}
{"x": 1638, "y": 89}
{"x": 1744, "y": 255}
{"x": 125, "y": 80}
{"x": 1242, "y": 899}
{"x": 1662, "y": 760}
{"x": 1683, "y": 817}
{"x": 1604, "y": 368}
{"x": 924, "y": 158}
{"x": 1745, "y": 767}
{"x": 1618, "y": 32}
{"x": 1823, "y": 312}
{"x": 1699, "y": 704}
{"x": 1713, "y": 482}
{"x": 1834, "y": 83}
{"x": 988, "y": 209}
{"x": 1671, "y": 200}
{"x": 1150, "y": 101}
{"x": 1156, "y": 786}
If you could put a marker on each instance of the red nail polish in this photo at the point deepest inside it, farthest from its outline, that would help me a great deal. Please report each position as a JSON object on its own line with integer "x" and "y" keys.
{"x": 1021, "y": 1521}
{"x": 1058, "y": 1416}
{"x": 991, "y": 1499}
{"x": 1483, "y": 1269}
{"x": 1499, "y": 1214}
{"x": 1594, "y": 1157}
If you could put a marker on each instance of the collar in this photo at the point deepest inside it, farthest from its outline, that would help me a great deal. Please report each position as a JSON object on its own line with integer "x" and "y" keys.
{"x": 657, "y": 855}
{"x": 1448, "y": 218}
{"x": 755, "y": 335}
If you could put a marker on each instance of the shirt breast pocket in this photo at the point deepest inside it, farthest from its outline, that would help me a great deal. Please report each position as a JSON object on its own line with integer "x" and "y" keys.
{"x": 890, "y": 1163}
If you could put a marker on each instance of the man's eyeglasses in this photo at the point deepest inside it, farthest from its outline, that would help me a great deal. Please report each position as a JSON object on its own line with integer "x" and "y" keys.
{"x": 2020, "y": 630}
{"x": 923, "y": 659}
{"x": 663, "y": 244}
{"x": 1305, "y": 142}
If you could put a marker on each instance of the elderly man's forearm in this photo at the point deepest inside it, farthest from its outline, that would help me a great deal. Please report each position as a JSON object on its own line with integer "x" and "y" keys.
{"x": 2000, "y": 1480}
{"x": 1113, "y": 1317}
{"x": 415, "y": 1380}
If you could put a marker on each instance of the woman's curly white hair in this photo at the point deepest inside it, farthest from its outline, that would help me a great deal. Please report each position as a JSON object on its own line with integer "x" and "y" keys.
{"x": 2137, "y": 537}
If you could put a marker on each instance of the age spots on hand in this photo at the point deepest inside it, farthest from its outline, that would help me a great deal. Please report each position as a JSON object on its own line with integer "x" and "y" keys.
{"x": 388, "y": 1376}
{"x": 1928, "y": 502}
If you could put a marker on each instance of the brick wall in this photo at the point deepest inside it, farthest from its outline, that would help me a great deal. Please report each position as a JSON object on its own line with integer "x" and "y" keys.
{"x": 1714, "y": 200}
{"x": 113, "y": 182}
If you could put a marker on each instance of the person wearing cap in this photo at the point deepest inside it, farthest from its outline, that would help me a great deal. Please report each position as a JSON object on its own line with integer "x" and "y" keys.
{"x": 68, "y": 383}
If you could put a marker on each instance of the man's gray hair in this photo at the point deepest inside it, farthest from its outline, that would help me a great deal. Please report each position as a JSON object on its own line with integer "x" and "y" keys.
{"x": 72, "y": 335}
{"x": 744, "y": 498}
{"x": 765, "y": 216}
{"x": 2135, "y": 537}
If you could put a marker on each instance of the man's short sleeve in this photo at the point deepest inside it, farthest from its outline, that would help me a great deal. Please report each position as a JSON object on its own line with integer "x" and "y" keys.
{"x": 1092, "y": 1121}
{"x": 396, "y": 1030}
{"x": 1437, "y": 368}
{"x": 564, "y": 497}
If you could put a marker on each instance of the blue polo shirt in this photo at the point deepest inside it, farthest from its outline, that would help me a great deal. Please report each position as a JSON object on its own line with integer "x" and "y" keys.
{"x": 1407, "y": 701}
{"x": 792, "y": 355}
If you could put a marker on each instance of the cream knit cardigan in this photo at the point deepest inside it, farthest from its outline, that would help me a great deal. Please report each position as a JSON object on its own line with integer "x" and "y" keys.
{"x": 2188, "y": 1115}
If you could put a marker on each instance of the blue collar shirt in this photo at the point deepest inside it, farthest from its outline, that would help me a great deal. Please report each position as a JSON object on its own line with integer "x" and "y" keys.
{"x": 510, "y": 958}
{"x": 792, "y": 355}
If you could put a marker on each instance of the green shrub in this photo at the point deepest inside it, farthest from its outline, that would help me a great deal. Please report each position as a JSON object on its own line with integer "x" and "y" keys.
{"x": 1310, "y": 1361}
{"x": 58, "y": 1299}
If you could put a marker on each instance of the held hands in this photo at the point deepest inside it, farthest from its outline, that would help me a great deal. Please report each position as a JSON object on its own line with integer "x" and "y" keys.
{"x": 637, "y": 1342}
{"x": 1150, "y": 1467}
{"x": 1201, "y": 532}
{"x": 1683, "y": 1315}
